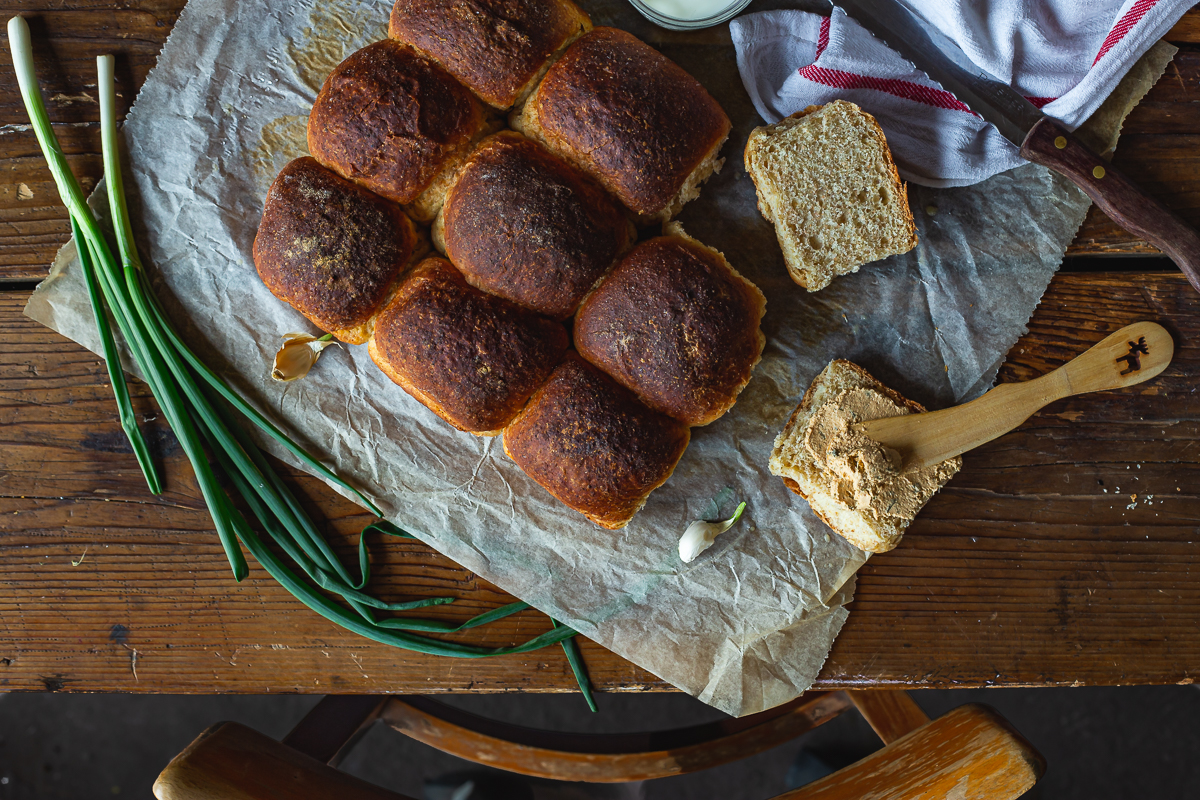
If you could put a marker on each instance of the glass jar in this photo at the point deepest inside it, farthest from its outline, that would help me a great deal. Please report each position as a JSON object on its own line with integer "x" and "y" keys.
{"x": 724, "y": 13}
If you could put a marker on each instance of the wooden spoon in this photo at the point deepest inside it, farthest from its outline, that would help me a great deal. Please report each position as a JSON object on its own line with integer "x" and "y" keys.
{"x": 1133, "y": 354}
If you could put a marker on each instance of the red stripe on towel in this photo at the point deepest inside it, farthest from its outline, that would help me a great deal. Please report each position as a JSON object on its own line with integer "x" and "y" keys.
{"x": 907, "y": 90}
{"x": 904, "y": 89}
{"x": 1124, "y": 25}
{"x": 823, "y": 39}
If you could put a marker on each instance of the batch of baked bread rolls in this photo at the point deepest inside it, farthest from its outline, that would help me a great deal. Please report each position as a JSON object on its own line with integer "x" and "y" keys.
{"x": 543, "y": 320}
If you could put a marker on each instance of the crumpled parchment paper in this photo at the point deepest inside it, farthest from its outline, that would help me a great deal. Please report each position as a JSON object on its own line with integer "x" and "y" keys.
{"x": 748, "y": 624}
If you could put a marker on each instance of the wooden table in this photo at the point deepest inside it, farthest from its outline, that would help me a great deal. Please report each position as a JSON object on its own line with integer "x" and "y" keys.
{"x": 1063, "y": 553}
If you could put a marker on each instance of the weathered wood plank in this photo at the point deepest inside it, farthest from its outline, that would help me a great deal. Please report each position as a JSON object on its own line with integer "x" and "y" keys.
{"x": 971, "y": 753}
{"x": 1035, "y": 566}
{"x": 1187, "y": 30}
{"x": 1064, "y": 552}
{"x": 69, "y": 35}
{"x": 1158, "y": 146}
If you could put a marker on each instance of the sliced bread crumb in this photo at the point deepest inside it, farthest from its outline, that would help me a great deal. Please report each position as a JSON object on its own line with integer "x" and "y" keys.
{"x": 826, "y": 180}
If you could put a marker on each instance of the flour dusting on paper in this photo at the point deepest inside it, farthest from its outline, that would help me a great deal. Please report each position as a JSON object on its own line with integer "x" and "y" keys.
{"x": 280, "y": 141}
{"x": 335, "y": 29}
{"x": 749, "y": 623}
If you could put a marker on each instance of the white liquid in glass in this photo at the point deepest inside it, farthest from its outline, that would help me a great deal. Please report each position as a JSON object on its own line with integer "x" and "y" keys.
{"x": 689, "y": 9}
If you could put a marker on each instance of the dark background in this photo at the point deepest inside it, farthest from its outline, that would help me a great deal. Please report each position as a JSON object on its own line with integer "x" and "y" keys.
{"x": 1100, "y": 743}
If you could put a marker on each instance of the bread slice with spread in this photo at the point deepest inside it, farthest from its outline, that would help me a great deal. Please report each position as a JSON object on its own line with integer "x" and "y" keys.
{"x": 854, "y": 484}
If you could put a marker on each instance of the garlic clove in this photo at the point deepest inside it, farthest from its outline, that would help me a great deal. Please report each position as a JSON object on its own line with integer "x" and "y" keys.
{"x": 700, "y": 534}
{"x": 298, "y": 354}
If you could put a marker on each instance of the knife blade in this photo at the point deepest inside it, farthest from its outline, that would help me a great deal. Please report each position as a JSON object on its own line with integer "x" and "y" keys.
{"x": 1040, "y": 138}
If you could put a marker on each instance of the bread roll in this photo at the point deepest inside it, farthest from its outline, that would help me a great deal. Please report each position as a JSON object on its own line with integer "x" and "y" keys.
{"x": 498, "y": 48}
{"x": 330, "y": 249}
{"x": 590, "y": 443}
{"x": 471, "y": 358}
{"x": 677, "y": 325}
{"x": 524, "y": 224}
{"x": 397, "y": 123}
{"x": 632, "y": 118}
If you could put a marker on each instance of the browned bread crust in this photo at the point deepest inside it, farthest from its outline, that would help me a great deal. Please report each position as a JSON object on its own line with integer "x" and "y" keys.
{"x": 471, "y": 358}
{"x": 590, "y": 443}
{"x": 523, "y": 224}
{"x": 498, "y": 48}
{"x": 677, "y": 325}
{"x": 628, "y": 115}
{"x": 391, "y": 120}
{"x": 330, "y": 249}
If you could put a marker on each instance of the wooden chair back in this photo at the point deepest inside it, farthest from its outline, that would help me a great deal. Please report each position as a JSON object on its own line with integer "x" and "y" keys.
{"x": 969, "y": 753}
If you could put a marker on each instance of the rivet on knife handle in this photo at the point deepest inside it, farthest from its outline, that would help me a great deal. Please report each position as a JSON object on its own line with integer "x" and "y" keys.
{"x": 1115, "y": 195}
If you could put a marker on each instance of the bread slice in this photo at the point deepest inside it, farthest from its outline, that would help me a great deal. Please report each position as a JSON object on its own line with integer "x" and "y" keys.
{"x": 826, "y": 180}
{"x": 791, "y": 460}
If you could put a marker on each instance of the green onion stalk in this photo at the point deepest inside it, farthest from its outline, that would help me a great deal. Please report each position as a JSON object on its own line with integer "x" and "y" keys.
{"x": 208, "y": 417}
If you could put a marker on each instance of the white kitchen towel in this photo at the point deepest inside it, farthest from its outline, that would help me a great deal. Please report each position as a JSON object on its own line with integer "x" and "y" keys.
{"x": 1066, "y": 56}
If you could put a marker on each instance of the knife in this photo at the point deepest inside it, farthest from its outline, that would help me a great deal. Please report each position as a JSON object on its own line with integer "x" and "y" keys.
{"x": 1041, "y": 139}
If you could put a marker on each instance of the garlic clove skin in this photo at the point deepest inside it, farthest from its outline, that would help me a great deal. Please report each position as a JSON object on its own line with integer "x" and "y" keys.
{"x": 297, "y": 356}
{"x": 700, "y": 535}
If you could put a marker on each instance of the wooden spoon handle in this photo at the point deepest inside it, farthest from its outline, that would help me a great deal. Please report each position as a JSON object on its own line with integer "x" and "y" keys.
{"x": 1133, "y": 354}
{"x": 1050, "y": 145}
{"x": 1136, "y": 353}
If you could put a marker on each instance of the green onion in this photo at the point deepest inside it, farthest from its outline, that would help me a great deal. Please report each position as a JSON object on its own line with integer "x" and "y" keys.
{"x": 116, "y": 376}
{"x": 201, "y": 409}
{"x": 575, "y": 659}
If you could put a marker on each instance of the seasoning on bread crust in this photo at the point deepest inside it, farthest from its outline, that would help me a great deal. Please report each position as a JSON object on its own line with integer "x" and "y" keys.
{"x": 498, "y": 48}
{"x": 593, "y": 445}
{"x": 330, "y": 248}
{"x": 470, "y": 357}
{"x": 677, "y": 325}
{"x": 395, "y": 122}
{"x": 632, "y": 118}
{"x": 526, "y": 225}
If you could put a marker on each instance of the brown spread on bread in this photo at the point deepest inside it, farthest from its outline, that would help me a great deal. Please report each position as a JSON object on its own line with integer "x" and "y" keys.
{"x": 472, "y": 358}
{"x": 593, "y": 445}
{"x": 524, "y": 224}
{"x": 864, "y": 474}
{"x": 329, "y": 248}
{"x": 853, "y": 483}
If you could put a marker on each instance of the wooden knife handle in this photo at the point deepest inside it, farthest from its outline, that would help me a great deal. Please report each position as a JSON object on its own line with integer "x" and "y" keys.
{"x": 1050, "y": 145}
